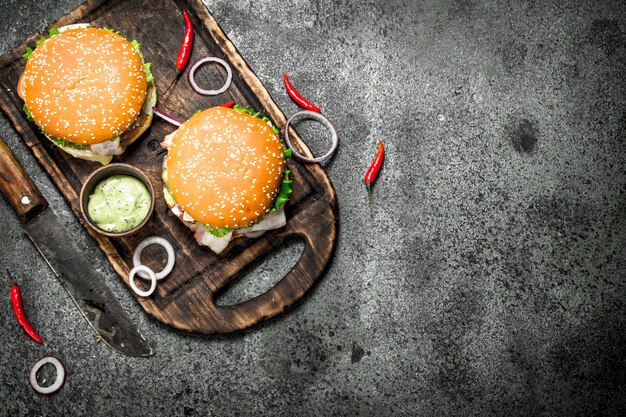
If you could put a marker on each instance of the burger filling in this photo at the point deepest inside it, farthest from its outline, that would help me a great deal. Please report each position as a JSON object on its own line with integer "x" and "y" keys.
{"x": 217, "y": 239}
{"x": 103, "y": 152}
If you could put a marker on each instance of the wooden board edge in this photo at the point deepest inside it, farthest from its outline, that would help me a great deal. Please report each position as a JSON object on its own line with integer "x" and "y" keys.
{"x": 62, "y": 184}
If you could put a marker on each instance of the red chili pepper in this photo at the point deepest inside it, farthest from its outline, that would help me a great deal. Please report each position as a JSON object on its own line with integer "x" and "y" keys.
{"x": 185, "y": 47}
{"x": 297, "y": 97}
{"x": 229, "y": 104}
{"x": 18, "y": 311}
{"x": 372, "y": 172}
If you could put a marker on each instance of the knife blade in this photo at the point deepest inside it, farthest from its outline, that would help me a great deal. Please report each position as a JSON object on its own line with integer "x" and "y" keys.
{"x": 86, "y": 288}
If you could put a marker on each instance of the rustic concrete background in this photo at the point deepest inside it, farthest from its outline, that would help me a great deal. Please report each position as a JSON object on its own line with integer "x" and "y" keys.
{"x": 485, "y": 278}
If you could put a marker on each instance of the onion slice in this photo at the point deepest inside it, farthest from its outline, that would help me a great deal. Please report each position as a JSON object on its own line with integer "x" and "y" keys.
{"x": 203, "y": 92}
{"x": 167, "y": 117}
{"x": 323, "y": 120}
{"x": 151, "y": 275}
{"x": 74, "y": 26}
{"x": 187, "y": 218}
{"x": 58, "y": 382}
{"x": 154, "y": 240}
{"x": 178, "y": 211}
{"x": 167, "y": 140}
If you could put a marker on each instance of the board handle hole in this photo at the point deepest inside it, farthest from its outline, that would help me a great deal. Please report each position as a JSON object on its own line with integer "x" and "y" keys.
{"x": 261, "y": 275}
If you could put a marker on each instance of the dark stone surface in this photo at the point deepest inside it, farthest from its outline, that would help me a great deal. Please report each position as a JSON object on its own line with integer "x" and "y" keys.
{"x": 485, "y": 278}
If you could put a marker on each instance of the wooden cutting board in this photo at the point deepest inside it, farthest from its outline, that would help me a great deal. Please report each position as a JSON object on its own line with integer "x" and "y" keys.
{"x": 186, "y": 298}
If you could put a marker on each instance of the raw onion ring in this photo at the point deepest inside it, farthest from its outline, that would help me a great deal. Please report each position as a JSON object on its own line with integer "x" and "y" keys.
{"x": 58, "y": 382}
{"x": 323, "y": 120}
{"x": 131, "y": 280}
{"x": 155, "y": 240}
{"x": 203, "y": 92}
{"x": 167, "y": 116}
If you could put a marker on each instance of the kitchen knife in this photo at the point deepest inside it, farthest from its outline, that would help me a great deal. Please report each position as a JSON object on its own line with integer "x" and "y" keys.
{"x": 85, "y": 286}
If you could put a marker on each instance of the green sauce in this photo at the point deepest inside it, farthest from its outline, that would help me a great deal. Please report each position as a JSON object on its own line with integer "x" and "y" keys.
{"x": 119, "y": 203}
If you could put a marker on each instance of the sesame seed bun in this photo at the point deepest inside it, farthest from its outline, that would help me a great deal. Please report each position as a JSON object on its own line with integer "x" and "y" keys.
{"x": 225, "y": 168}
{"x": 84, "y": 86}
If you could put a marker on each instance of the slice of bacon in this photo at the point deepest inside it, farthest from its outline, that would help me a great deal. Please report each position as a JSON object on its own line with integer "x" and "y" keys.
{"x": 216, "y": 244}
{"x": 109, "y": 147}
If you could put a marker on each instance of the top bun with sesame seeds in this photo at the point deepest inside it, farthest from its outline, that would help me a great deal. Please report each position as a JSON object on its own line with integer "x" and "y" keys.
{"x": 224, "y": 168}
{"x": 87, "y": 89}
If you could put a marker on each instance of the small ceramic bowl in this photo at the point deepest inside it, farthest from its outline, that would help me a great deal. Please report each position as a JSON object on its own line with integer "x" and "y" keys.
{"x": 103, "y": 173}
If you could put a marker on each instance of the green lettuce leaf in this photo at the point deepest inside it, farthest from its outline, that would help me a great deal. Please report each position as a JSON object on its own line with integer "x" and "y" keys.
{"x": 135, "y": 44}
{"x": 68, "y": 144}
{"x": 146, "y": 69}
{"x": 285, "y": 191}
{"x": 29, "y": 116}
{"x": 29, "y": 50}
{"x": 164, "y": 177}
{"x": 216, "y": 231}
{"x": 169, "y": 198}
{"x": 28, "y": 53}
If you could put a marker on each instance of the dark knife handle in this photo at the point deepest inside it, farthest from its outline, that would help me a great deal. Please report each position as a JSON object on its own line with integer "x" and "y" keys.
{"x": 17, "y": 187}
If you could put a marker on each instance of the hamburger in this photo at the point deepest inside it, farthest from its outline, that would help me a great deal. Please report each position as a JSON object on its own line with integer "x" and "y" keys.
{"x": 88, "y": 90}
{"x": 225, "y": 175}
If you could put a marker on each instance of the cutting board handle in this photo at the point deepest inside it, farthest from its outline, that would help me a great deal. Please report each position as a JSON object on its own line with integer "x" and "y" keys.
{"x": 17, "y": 187}
{"x": 318, "y": 234}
